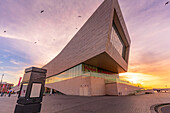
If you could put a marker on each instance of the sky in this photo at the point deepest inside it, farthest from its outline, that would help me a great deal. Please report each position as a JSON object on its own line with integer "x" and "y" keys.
{"x": 33, "y": 38}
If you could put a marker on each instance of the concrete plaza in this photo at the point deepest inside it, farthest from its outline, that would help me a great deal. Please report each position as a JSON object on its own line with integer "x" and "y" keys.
{"x": 101, "y": 104}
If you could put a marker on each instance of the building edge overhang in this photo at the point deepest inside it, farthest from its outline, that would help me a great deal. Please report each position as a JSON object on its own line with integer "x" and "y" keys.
{"x": 106, "y": 61}
{"x": 105, "y": 49}
{"x": 69, "y": 66}
{"x": 102, "y": 60}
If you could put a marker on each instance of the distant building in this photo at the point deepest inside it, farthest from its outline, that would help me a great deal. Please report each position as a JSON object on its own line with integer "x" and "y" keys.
{"x": 4, "y": 87}
{"x": 17, "y": 87}
{"x": 90, "y": 63}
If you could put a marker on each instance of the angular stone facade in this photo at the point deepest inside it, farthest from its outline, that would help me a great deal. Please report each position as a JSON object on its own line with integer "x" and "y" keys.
{"x": 91, "y": 44}
{"x": 102, "y": 42}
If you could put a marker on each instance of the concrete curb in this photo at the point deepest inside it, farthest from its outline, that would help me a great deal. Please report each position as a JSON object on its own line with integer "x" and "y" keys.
{"x": 156, "y": 108}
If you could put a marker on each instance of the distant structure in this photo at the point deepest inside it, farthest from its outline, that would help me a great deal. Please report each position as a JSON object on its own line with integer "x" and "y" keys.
{"x": 17, "y": 87}
{"x": 90, "y": 63}
{"x": 159, "y": 90}
{"x": 4, "y": 87}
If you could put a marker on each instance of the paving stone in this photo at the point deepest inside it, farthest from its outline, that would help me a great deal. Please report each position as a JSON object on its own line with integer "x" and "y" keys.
{"x": 100, "y": 104}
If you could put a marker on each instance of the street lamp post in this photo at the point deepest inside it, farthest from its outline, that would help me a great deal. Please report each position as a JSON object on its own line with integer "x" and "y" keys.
{"x": 2, "y": 78}
{"x": 1, "y": 82}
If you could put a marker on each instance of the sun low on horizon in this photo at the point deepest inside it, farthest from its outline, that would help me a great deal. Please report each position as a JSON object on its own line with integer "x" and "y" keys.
{"x": 32, "y": 33}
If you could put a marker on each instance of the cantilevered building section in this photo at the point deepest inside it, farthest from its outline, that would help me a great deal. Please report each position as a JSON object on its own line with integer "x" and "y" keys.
{"x": 91, "y": 62}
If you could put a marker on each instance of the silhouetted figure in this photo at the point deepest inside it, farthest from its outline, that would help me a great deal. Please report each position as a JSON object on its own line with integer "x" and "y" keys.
{"x": 4, "y": 31}
{"x": 79, "y": 16}
{"x": 35, "y": 42}
{"x": 42, "y": 11}
{"x": 2, "y": 93}
{"x": 167, "y": 3}
{"x": 76, "y": 28}
{"x": 9, "y": 93}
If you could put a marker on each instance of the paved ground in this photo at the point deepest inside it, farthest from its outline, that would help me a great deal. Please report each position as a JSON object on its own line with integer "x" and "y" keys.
{"x": 103, "y": 104}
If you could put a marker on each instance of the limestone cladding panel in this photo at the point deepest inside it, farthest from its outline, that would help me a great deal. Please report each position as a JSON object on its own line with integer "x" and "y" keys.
{"x": 111, "y": 89}
{"x": 87, "y": 43}
{"x": 124, "y": 89}
{"x": 71, "y": 86}
{"x": 97, "y": 86}
{"x": 120, "y": 89}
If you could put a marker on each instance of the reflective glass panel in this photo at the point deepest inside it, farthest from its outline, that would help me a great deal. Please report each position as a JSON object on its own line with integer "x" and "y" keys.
{"x": 116, "y": 41}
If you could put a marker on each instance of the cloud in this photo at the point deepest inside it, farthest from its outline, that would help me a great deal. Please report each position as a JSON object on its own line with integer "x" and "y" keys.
{"x": 12, "y": 76}
{"x": 1, "y": 68}
{"x": 51, "y": 29}
{"x": 1, "y": 62}
{"x": 14, "y": 62}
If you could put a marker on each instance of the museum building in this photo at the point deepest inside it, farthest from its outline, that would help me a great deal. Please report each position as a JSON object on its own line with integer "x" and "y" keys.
{"x": 90, "y": 63}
